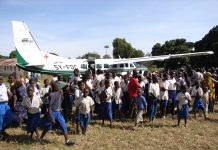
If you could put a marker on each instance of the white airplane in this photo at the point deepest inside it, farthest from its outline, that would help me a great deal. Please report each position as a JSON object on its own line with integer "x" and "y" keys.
{"x": 31, "y": 58}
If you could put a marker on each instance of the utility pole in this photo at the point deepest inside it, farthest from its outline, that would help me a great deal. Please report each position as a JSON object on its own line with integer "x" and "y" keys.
{"x": 106, "y": 47}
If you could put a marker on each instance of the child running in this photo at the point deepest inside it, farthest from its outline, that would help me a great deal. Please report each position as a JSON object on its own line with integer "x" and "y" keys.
{"x": 55, "y": 116}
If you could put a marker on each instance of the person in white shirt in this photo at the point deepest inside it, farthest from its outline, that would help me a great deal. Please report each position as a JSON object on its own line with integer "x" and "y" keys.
{"x": 98, "y": 101}
{"x": 164, "y": 84}
{"x": 172, "y": 92}
{"x": 98, "y": 78}
{"x": 107, "y": 104}
{"x": 78, "y": 93}
{"x": 117, "y": 98}
{"x": 85, "y": 104}
{"x": 32, "y": 104}
{"x": 124, "y": 86}
{"x": 197, "y": 93}
{"x": 154, "y": 95}
{"x": 183, "y": 100}
{"x": 6, "y": 115}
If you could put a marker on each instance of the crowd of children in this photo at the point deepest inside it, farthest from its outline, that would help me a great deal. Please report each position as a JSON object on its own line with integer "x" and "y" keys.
{"x": 105, "y": 95}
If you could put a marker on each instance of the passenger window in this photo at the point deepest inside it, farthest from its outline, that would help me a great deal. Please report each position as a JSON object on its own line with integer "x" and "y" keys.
{"x": 126, "y": 65}
{"x": 115, "y": 66}
{"x": 106, "y": 66}
{"x": 121, "y": 65}
{"x": 84, "y": 66}
{"x": 98, "y": 66}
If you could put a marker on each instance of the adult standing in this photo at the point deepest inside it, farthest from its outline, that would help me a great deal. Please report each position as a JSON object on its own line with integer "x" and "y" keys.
{"x": 133, "y": 88}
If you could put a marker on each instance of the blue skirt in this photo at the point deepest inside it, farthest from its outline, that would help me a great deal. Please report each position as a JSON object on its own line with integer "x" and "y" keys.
{"x": 84, "y": 120}
{"x": 6, "y": 115}
{"x": 183, "y": 113}
{"x": 59, "y": 119}
{"x": 172, "y": 97}
{"x": 198, "y": 103}
{"x": 32, "y": 122}
{"x": 107, "y": 108}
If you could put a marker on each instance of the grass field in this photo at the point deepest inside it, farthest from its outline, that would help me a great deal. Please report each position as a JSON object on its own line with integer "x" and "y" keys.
{"x": 161, "y": 134}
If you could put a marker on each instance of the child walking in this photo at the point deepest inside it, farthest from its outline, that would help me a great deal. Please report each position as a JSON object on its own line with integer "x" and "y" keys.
{"x": 141, "y": 108}
{"x": 85, "y": 104}
{"x": 183, "y": 100}
{"x": 32, "y": 104}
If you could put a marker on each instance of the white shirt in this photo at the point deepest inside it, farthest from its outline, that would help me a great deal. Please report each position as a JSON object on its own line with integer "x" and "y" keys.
{"x": 183, "y": 98}
{"x": 84, "y": 104}
{"x": 142, "y": 87}
{"x": 89, "y": 83}
{"x": 3, "y": 93}
{"x": 172, "y": 84}
{"x": 109, "y": 93}
{"x": 97, "y": 80}
{"x": 154, "y": 89}
{"x": 164, "y": 94}
{"x": 118, "y": 95}
{"x": 195, "y": 91}
{"x": 33, "y": 106}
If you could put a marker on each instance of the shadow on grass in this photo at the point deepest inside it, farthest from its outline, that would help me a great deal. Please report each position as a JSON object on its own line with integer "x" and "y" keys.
{"x": 212, "y": 120}
{"x": 20, "y": 139}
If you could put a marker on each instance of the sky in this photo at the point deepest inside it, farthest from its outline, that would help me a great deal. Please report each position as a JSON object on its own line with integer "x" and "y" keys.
{"x": 72, "y": 28}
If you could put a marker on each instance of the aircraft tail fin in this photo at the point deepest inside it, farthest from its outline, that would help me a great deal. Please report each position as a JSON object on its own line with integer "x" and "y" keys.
{"x": 26, "y": 48}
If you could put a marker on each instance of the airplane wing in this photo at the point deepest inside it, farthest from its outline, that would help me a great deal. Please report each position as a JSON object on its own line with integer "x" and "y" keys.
{"x": 160, "y": 58}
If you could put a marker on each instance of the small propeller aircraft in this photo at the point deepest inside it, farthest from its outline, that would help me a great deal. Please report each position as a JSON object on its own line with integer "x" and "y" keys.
{"x": 32, "y": 59}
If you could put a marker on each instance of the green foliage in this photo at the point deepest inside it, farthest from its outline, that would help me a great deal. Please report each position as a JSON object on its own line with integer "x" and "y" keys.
{"x": 107, "y": 56}
{"x": 123, "y": 49}
{"x": 3, "y": 57}
{"x": 12, "y": 54}
{"x": 176, "y": 46}
{"x": 208, "y": 43}
{"x": 90, "y": 55}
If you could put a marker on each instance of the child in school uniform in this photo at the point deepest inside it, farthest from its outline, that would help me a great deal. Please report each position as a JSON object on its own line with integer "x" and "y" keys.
{"x": 107, "y": 104}
{"x": 117, "y": 98}
{"x": 98, "y": 102}
{"x": 55, "y": 116}
{"x": 198, "y": 104}
{"x": 183, "y": 100}
{"x": 154, "y": 94}
{"x": 32, "y": 104}
{"x": 141, "y": 108}
{"x": 85, "y": 104}
{"x": 6, "y": 115}
{"x": 164, "y": 84}
{"x": 78, "y": 93}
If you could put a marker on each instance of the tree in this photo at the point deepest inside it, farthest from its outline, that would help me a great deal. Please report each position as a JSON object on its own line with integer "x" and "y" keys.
{"x": 12, "y": 54}
{"x": 90, "y": 55}
{"x": 176, "y": 46}
{"x": 208, "y": 43}
{"x": 123, "y": 49}
{"x": 3, "y": 57}
{"x": 107, "y": 56}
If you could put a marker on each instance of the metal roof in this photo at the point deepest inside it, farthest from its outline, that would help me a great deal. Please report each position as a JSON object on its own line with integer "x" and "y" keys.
{"x": 8, "y": 62}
